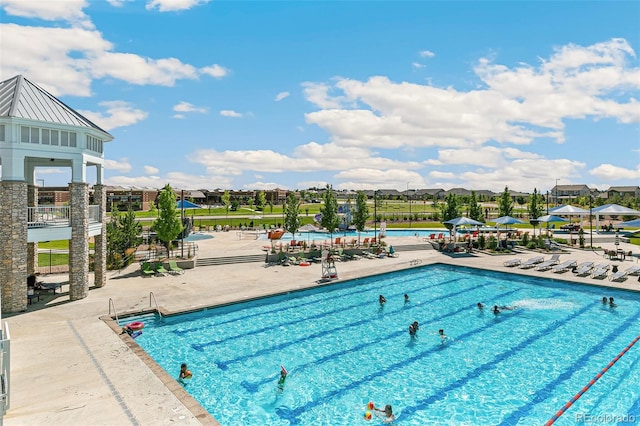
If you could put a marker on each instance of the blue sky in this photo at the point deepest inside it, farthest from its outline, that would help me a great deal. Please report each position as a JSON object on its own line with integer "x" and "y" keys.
{"x": 356, "y": 94}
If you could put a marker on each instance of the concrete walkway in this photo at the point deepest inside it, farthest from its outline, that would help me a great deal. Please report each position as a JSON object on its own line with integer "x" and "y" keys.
{"x": 68, "y": 367}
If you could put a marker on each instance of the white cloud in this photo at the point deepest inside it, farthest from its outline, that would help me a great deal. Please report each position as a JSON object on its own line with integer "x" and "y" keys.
{"x": 318, "y": 94}
{"x": 118, "y": 114}
{"x": 174, "y": 5}
{"x": 188, "y": 107}
{"x": 215, "y": 71}
{"x": 68, "y": 10}
{"x": 118, "y": 3}
{"x": 230, "y": 113}
{"x": 418, "y": 65}
{"x": 179, "y": 116}
{"x": 122, "y": 165}
{"x": 427, "y": 54}
{"x": 76, "y": 56}
{"x": 280, "y": 96}
{"x": 263, "y": 186}
{"x": 150, "y": 170}
{"x": 609, "y": 172}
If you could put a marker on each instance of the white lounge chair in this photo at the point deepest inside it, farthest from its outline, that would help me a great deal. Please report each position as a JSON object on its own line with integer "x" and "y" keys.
{"x": 600, "y": 271}
{"x": 512, "y": 262}
{"x": 618, "y": 276}
{"x": 633, "y": 270}
{"x": 564, "y": 266}
{"x": 530, "y": 263}
{"x": 583, "y": 269}
{"x": 548, "y": 264}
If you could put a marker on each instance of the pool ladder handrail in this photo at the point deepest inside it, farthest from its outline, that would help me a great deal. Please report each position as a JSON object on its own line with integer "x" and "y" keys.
{"x": 112, "y": 304}
{"x": 153, "y": 296}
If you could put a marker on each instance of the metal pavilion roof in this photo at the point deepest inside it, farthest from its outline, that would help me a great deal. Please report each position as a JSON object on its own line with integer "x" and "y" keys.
{"x": 22, "y": 98}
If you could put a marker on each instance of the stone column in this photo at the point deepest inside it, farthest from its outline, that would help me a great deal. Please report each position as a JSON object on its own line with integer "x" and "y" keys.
{"x": 100, "y": 241}
{"x": 13, "y": 245}
{"x": 79, "y": 244}
{"x": 32, "y": 248}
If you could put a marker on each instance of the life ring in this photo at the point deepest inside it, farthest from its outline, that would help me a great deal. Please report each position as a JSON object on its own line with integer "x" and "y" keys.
{"x": 136, "y": 325}
{"x": 305, "y": 263}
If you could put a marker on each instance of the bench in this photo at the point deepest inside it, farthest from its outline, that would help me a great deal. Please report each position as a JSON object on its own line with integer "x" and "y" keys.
{"x": 30, "y": 298}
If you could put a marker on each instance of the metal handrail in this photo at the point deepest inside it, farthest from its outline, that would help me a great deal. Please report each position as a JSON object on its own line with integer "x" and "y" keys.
{"x": 114, "y": 309}
{"x": 153, "y": 296}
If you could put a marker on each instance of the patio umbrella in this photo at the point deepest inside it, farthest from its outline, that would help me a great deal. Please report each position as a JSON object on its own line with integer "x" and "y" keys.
{"x": 567, "y": 209}
{"x": 458, "y": 221}
{"x": 186, "y": 204}
{"x": 635, "y": 223}
{"x": 507, "y": 220}
{"x": 551, "y": 218}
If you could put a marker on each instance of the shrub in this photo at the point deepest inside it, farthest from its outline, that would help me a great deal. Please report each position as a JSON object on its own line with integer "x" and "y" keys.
{"x": 532, "y": 245}
{"x": 493, "y": 243}
{"x": 525, "y": 239}
{"x": 482, "y": 242}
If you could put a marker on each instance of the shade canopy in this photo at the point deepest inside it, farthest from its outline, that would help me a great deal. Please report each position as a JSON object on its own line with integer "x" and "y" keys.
{"x": 459, "y": 221}
{"x": 507, "y": 220}
{"x": 568, "y": 209}
{"x": 185, "y": 204}
{"x": 551, "y": 218}
{"x": 614, "y": 209}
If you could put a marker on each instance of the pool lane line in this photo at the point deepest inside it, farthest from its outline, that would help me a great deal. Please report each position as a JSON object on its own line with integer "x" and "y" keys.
{"x": 476, "y": 372}
{"x": 542, "y": 393}
{"x": 441, "y": 393}
{"x": 313, "y": 302}
{"x": 223, "y": 365}
{"x": 293, "y": 414}
{"x": 254, "y": 386}
{"x": 591, "y": 382}
{"x": 104, "y": 376}
{"x": 201, "y": 346}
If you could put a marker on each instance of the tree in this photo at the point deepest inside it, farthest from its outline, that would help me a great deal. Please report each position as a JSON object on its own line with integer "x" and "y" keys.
{"x": 251, "y": 202}
{"x": 131, "y": 230}
{"x": 329, "y": 211}
{"x": 535, "y": 207}
{"x": 262, "y": 200}
{"x": 115, "y": 247}
{"x": 226, "y": 200}
{"x": 450, "y": 210}
{"x": 168, "y": 226}
{"x": 505, "y": 203}
{"x": 292, "y": 220}
{"x": 152, "y": 207}
{"x": 520, "y": 200}
{"x": 361, "y": 214}
{"x": 475, "y": 209}
{"x": 123, "y": 233}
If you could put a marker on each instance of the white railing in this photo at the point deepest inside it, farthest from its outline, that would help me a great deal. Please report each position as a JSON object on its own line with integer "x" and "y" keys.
{"x": 48, "y": 216}
{"x": 5, "y": 357}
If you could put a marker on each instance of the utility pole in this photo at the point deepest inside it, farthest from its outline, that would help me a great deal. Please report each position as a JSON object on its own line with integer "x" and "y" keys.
{"x": 408, "y": 198}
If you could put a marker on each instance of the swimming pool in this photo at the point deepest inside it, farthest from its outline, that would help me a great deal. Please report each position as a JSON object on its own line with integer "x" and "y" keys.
{"x": 314, "y": 236}
{"x": 342, "y": 350}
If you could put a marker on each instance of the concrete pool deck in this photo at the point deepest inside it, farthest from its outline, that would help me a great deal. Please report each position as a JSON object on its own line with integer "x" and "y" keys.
{"x": 68, "y": 367}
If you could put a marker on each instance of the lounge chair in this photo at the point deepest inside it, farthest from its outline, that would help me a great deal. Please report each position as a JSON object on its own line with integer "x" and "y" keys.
{"x": 619, "y": 276}
{"x": 583, "y": 269}
{"x": 174, "y": 268}
{"x": 551, "y": 245}
{"x": 564, "y": 266}
{"x": 633, "y": 270}
{"x": 531, "y": 262}
{"x": 147, "y": 269}
{"x": 365, "y": 242}
{"x": 548, "y": 264}
{"x": 160, "y": 269}
{"x": 512, "y": 262}
{"x": 48, "y": 287}
{"x": 600, "y": 271}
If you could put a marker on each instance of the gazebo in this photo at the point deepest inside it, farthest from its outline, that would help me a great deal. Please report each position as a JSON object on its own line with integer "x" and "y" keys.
{"x": 36, "y": 131}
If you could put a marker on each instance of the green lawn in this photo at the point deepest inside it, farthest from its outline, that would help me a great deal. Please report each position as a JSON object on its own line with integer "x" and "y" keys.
{"x": 53, "y": 259}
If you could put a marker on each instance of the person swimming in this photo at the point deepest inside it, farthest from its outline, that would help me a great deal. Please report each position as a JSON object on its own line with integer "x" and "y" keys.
{"x": 185, "y": 374}
{"x": 612, "y": 303}
{"x": 382, "y": 300}
{"x": 406, "y": 298}
{"x": 416, "y": 325}
{"x": 480, "y": 306}
{"x": 283, "y": 378}
{"x": 604, "y": 300}
{"x": 386, "y": 414}
{"x": 412, "y": 331}
{"x": 495, "y": 310}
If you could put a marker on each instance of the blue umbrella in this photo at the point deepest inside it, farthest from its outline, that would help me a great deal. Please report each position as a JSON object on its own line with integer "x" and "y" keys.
{"x": 185, "y": 204}
{"x": 458, "y": 221}
{"x": 507, "y": 220}
{"x": 635, "y": 223}
{"x": 551, "y": 218}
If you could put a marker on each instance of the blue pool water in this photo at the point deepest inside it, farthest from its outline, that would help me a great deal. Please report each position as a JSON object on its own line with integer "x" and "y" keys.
{"x": 349, "y": 235}
{"x": 342, "y": 350}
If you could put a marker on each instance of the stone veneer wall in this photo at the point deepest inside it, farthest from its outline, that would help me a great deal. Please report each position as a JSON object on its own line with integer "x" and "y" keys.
{"x": 100, "y": 241}
{"x": 79, "y": 244}
{"x": 32, "y": 248}
{"x": 13, "y": 245}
